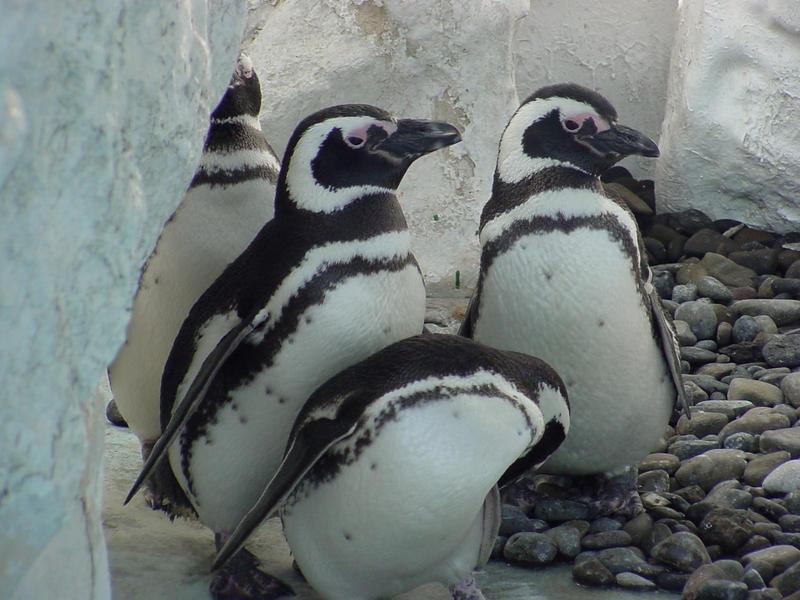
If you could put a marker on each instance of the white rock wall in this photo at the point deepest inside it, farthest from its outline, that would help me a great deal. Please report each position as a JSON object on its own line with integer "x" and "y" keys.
{"x": 103, "y": 109}
{"x": 730, "y": 142}
{"x": 466, "y": 62}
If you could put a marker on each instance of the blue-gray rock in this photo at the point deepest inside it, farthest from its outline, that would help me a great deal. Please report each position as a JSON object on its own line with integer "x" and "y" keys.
{"x": 697, "y": 356}
{"x": 632, "y": 581}
{"x": 514, "y": 520}
{"x": 639, "y": 527}
{"x": 556, "y": 509}
{"x": 720, "y": 589}
{"x": 567, "y": 537}
{"x": 782, "y": 312}
{"x": 592, "y": 572}
{"x": 789, "y": 523}
{"x": 604, "y": 524}
{"x": 683, "y": 551}
{"x": 686, "y": 449}
{"x": 766, "y": 324}
{"x": 745, "y": 329}
{"x": 726, "y": 527}
{"x": 701, "y": 318}
{"x": 729, "y": 408}
{"x": 663, "y": 282}
{"x": 708, "y": 382}
{"x": 792, "y": 502}
{"x": 684, "y": 293}
{"x": 721, "y": 570}
{"x": 713, "y": 288}
{"x": 787, "y": 582}
{"x": 753, "y": 580}
{"x": 790, "y": 386}
{"x": 762, "y": 465}
{"x": 746, "y": 442}
{"x": 630, "y": 559}
{"x": 710, "y": 468}
{"x": 528, "y": 548}
{"x": 684, "y": 333}
{"x": 606, "y": 539}
{"x": 782, "y": 351}
{"x": 744, "y": 352}
{"x": 781, "y": 439}
{"x": 779, "y": 557}
{"x": 755, "y": 421}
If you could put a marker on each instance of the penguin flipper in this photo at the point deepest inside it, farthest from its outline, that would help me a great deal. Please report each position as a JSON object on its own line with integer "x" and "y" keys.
{"x": 211, "y": 365}
{"x": 492, "y": 516}
{"x": 669, "y": 347}
{"x": 465, "y": 330}
{"x": 309, "y": 443}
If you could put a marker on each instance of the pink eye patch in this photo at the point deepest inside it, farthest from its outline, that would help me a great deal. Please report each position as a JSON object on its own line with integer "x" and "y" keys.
{"x": 574, "y": 123}
{"x": 356, "y": 137}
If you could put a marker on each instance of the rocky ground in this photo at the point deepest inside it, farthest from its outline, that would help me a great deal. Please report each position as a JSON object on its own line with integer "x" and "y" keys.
{"x": 722, "y": 491}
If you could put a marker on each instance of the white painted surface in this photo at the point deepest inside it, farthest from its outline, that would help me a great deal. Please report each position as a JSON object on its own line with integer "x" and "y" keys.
{"x": 730, "y": 143}
{"x": 103, "y": 110}
{"x": 465, "y": 62}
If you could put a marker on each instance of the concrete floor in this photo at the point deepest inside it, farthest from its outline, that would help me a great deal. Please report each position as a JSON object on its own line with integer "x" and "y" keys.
{"x": 153, "y": 558}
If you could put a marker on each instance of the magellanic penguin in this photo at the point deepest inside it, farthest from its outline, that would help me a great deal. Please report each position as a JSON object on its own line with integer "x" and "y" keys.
{"x": 563, "y": 276}
{"x": 390, "y": 476}
{"x": 329, "y": 281}
{"x": 228, "y": 201}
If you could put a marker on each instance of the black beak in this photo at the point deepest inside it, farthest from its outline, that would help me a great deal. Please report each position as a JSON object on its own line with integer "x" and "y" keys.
{"x": 415, "y": 138}
{"x": 620, "y": 141}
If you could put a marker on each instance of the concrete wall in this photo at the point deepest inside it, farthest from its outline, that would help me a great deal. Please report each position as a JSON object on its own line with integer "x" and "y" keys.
{"x": 103, "y": 110}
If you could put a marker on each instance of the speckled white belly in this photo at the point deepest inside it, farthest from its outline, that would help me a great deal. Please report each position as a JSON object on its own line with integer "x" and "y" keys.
{"x": 363, "y": 314}
{"x": 210, "y": 228}
{"x": 571, "y": 300}
{"x": 408, "y": 510}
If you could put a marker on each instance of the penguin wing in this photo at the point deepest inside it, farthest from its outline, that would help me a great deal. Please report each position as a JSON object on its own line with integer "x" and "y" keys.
{"x": 310, "y": 442}
{"x": 492, "y": 516}
{"x": 669, "y": 345}
{"x": 467, "y": 325}
{"x": 211, "y": 365}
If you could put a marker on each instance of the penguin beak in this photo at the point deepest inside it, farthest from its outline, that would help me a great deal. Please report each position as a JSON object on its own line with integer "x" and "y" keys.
{"x": 619, "y": 141}
{"x": 414, "y": 138}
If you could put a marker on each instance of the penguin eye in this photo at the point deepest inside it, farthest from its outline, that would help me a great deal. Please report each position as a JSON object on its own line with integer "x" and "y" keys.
{"x": 571, "y": 125}
{"x": 354, "y": 142}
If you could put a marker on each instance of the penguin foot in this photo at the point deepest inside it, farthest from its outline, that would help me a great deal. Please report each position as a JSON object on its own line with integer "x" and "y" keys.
{"x": 114, "y": 416}
{"x": 241, "y": 579}
{"x": 163, "y": 492}
{"x": 466, "y": 589}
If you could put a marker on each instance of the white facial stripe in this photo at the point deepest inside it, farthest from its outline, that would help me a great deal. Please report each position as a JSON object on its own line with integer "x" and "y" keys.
{"x": 394, "y": 244}
{"x": 568, "y": 203}
{"x": 304, "y": 189}
{"x": 248, "y": 120}
{"x": 237, "y": 159}
{"x": 513, "y": 165}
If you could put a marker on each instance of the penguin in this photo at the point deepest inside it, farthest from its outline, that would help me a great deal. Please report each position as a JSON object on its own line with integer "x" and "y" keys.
{"x": 328, "y": 281}
{"x": 390, "y": 478}
{"x": 563, "y": 276}
{"x": 228, "y": 200}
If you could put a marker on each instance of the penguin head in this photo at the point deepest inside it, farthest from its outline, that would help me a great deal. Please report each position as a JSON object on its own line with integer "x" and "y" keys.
{"x": 566, "y": 125}
{"x": 243, "y": 96}
{"x": 342, "y": 153}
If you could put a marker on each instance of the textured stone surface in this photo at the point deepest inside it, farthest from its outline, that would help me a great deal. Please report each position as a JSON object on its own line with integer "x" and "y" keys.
{"x": 103, "y": 110}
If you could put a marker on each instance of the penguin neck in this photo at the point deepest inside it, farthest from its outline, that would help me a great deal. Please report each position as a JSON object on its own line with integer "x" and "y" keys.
{"x": 506, "y": 196}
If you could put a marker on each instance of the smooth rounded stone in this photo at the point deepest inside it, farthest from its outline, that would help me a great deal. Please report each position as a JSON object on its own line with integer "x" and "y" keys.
{"x": 781, "y": 439}
{"x": 707, "y": 345}
{"x": 745, "y": 329}
{"x": 782, "y": 312}
{"x": 755, "y": 543}
{"x": 788, "y": 285}
{"x": 708, "y": 240}
{"x": 760, "y": 260}
{"x": 672, "y": 581}
{"x": 782, "y": 351}
{"x": 602, "y": 524}
{"x": 687, "y": 449}
{"x": 790, "y": 523}
{"x": 787, "y": 411}
{"x": 753, "y": 580}
{"x": 743, "y": 293}
{"x": 658, "y": 534}
{"x": 529, "y": 548}
{"x": 606, "y": 539}
{"x": 773, "y": 378}
{"x": 567, "y": 538}
{"x": 514, "y": 520}
{"x": 793, "y": 270}
{"x": 757, "y": 392}
{"x": 779, "y": 558}
{"x": 632, "y": 581}
{"x": 789, "y": 539}
{"x": 592, "y": 572}
{"x": 710, "y": 468}
{"x": 630, "y": 559}
{"x": 702, "y": 423}
{"x": 556, "y": 509}
{"x": 707, "y": 383}
{"x": 659, "y": 461}
{"x": 729, "y": 528}
{"x": 765, "y": 290}
{"x": 720, "y": 589}
{"x": 684, "y": 293}
{"x": 697, "y": 356}
{"x": 724, "y": 333}
{"x": 665, "y": 512}
{"x": 743, "y": 352}
{"x": 787, "y": 582}
{"x": 729, "y": 408}
{"x": 713, "y": 288}
{"x": 792, "y": 502}
{"x": 729, "y": 494}
{"x": 761, "y": 466}
{"x": 790, "y": 386}
{"x": 755, "y": 421}
{"x": 766, "y": 323}
{"x": 715, "y": 370}
{"x": 716, "y": 396}
{"x": 764, "y": 526}
{"x": 683, "y": 551}
{"x": 669, "y": 307}
{"x": 726, "y": 271}
{"x": 769, "y": 594}
{"x": 745, "y": 442}
{"x": 701, "y": 318}
{"x": 769, "y": 508}
{"x": 675, "y": 247}
{"x": 638, "y": 527}
{"x": 688, "y": 221}
{"x": 684, "y": 333}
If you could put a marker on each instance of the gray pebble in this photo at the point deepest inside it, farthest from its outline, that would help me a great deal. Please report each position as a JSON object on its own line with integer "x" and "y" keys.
{"x": 782, "y": 351}
{"x": 697, "y": 356}
{"x": 710, "y": 468}
{"x": 684, "y": 333}
{"x": 639, "y": 527}
{"x": 713, "y": 288}
{"x": 726, "y": 527}
{"x": 757, "y": 392}
{"x": 753, "y": 580}
{"x": 702, "y": 423}
{"x": 567, "y": 538}
{"x": 592, "y": 572}
{"x": 604, "y": 524}
{"x": 782, "y": 312}
{"x": 556, "y": 509}
{"x": 619, "y": 560}
{"x": 781, "y": 439}
{"x": 792, "y": 502}
{"x": 724, "y": 332}
{"x": 779, "y": 557}
{"x": 746, "y": 442}
{"x": 684, "y": 293}
{"x": 707, "y": 345}
{"x": 707, "y": 382}
{"x": 745, "y": 329}
{"x": 790, "y": 523}
{"x": 787, "y": 582}
{"x": 514, "y": 520}
{"x": 660, "y": 461}
{"x": 790, "y": 386}
{"x": 756, "y": 420}
{"x": 633, "y": 581}
{"x": 686, "y": 449}
{"x": 701, "y": 318}
{"x": 530, "y": 549}
{"x": 720, "y": 589}
{"x": 729, "y": 408}
{"x": 769, "y": 508}
{"x": 606, "y": 539}
{"x": 683, "y": 551}
{"x": 762, "y": 465}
